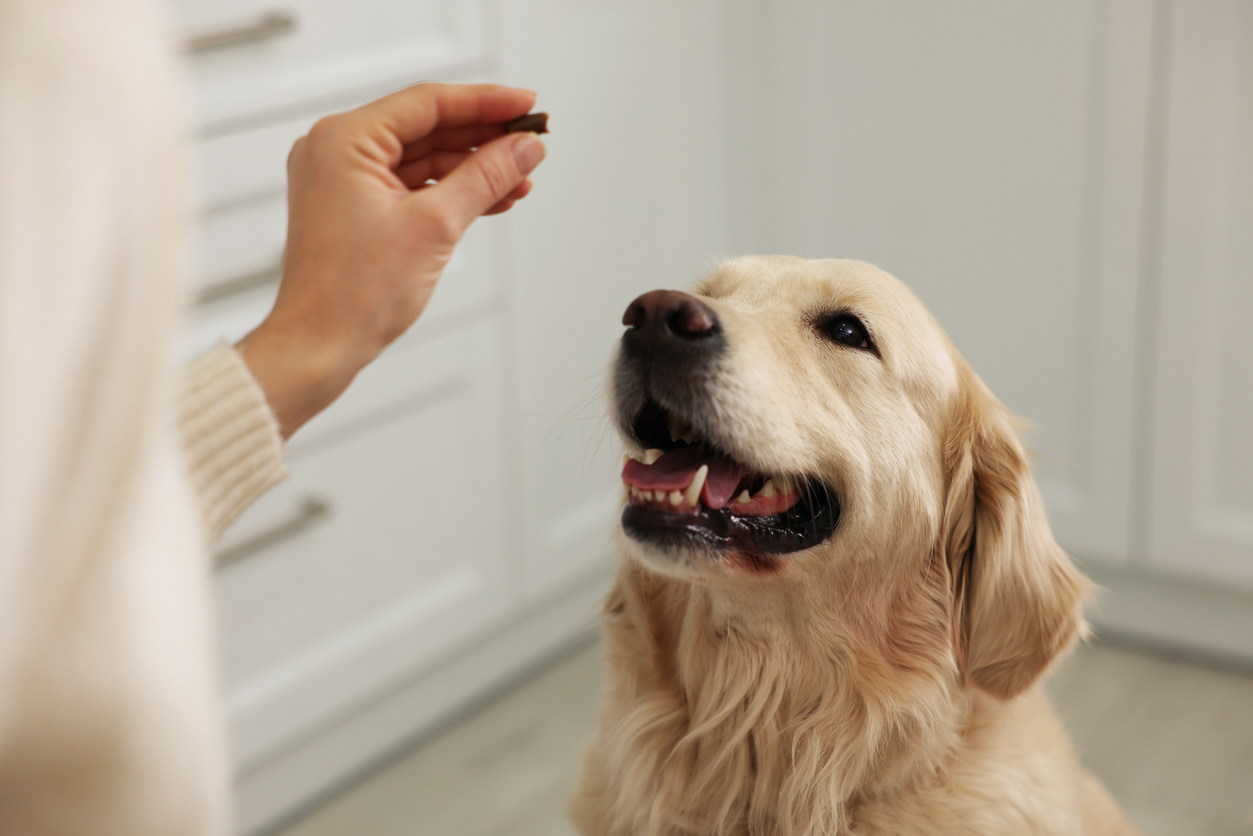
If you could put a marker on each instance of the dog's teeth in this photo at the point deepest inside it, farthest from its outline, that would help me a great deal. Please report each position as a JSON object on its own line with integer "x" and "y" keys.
{"x": 647, "y": 457}
{"x": 680, "y": 431}
{"x": 744, "y": 497}
{"x": 675, "y": 497}
{"x": 767, "y": 490}
{"x": 786, "y": 485}
{"x": 698, "y": 481}
{"x": 659, "y": 495}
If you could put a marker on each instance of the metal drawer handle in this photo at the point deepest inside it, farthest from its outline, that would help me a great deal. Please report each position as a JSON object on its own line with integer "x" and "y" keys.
{"x": 312, "y": 510}
{"x": 269, "y": 25}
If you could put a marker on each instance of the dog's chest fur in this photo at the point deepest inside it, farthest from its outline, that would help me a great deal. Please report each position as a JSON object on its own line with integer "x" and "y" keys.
{"x": 711, "y": 730}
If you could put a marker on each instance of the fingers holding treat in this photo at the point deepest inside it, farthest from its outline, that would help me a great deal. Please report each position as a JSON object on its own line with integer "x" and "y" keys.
{"x": 418, "y": 111}
{"x": 533, "y": 122}
{"x": 468, "y": 137}
{"x": 434, "y": 166}
{"x": 419, "y": 174}
{"x": 435, "y": 155}
{"x": 452, "y": 139}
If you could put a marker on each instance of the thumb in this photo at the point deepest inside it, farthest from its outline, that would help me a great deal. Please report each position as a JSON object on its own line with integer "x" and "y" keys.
{"x": 486, "y": 177}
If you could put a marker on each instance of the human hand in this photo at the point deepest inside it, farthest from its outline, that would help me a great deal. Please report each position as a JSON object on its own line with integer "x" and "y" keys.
{"x": 369, "y": 233}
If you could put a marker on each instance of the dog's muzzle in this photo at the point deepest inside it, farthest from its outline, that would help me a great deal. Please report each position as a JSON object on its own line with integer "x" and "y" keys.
{"x": 669, "y": 353}
{"x": 686, "y": 490}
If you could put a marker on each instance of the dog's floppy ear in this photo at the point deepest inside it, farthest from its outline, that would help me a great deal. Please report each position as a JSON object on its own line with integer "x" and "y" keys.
{"x": 1017, "y": 599}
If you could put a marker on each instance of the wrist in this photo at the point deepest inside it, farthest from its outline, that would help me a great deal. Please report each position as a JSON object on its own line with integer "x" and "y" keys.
{"x": 300, "y": 378}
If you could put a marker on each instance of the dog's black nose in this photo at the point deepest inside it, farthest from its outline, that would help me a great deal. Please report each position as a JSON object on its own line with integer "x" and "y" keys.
{"x": 669, "y": 318}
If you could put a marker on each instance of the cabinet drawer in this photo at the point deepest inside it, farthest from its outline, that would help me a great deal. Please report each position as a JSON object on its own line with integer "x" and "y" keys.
{"x": 247, "y": 165}
{"x": 468, "y": 289}
{"x": 248, "y": 57}
{"x": 241, "y": 244}
{"x": 383, "y": 551}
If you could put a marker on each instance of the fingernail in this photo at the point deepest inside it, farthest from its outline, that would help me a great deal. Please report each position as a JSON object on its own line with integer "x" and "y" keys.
{"x": 527, "y": 152}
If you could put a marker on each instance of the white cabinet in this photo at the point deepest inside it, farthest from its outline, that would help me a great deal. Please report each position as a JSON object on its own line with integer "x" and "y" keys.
{"x": 384, "y": 550}
{"x": 382, "y": 587}
{"x": 260, "y": 74}
{"x": 991, "y": 156}
{"x": 1069, "y": 187}
{"x": 242, "y": 202}
{"x": 249, "y": 59}
{"x": 1201, "y": 338}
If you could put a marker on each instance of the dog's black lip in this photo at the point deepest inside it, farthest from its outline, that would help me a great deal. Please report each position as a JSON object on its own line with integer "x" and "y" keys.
{"x": 808, "y": 523}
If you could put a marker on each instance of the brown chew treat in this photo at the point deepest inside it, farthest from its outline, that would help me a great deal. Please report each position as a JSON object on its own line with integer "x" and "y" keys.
{"x": 534, "y": 122}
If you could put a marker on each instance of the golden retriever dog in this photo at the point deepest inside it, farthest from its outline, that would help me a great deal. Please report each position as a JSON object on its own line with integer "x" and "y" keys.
{"x": 839, "y": 590}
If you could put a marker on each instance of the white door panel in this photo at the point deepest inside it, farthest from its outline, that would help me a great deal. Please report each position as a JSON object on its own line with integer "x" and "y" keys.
{"x": 382, "y": 552}
{"x": 249, "y": 58}
{"x": 990, "y": 155}
{"x": 1202, "y": 493}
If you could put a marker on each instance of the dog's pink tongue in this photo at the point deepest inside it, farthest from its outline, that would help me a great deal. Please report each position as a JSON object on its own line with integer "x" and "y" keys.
{"x": 674, "y": 472}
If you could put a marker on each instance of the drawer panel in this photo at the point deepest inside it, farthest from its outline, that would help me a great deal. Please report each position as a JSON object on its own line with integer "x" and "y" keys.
{"x": 240, "y": 244}
{"x": 383, "y": 552}
{"x": 247, "y": 165}
{"x": 466, "y": 290}
{"x": 248, "y": 57}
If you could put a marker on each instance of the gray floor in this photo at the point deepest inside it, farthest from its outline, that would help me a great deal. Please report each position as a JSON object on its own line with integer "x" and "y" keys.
{"x": 1173, "y": 742}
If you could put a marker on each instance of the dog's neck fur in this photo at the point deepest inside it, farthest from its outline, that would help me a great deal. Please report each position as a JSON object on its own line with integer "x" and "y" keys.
{"x": 723, "y": 695}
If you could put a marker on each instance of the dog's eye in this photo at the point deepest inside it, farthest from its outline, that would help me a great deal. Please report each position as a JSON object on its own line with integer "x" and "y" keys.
{"x": 847, "y": 330}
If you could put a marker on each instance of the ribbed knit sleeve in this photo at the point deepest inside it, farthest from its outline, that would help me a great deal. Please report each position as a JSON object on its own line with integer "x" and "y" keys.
{"x": 233, "y": 446}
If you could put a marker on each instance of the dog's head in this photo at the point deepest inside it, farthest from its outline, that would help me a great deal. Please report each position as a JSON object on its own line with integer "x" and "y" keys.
{"x": 801, "y": 424}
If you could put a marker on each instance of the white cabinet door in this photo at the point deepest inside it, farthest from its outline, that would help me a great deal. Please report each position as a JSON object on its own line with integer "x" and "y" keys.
{"x": 990, "y": 155}
{"x": 1202, "y": 338}
{"x": 251, "y": 58}
{"x": 385, "y": 550}
{"x": 633, "y": 196}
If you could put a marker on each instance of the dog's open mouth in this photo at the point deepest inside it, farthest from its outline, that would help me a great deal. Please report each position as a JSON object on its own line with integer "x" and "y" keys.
{"x": 683, "y": 491}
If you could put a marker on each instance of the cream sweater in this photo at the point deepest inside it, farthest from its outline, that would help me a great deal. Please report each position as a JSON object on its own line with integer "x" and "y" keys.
{"x": 230, "y": 436}
{"x": 110, "y": 720}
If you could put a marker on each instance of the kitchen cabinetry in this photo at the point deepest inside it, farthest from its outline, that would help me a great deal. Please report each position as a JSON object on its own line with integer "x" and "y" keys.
{"x": 407, "y": 558}
{"x": 1199, "y": 338}
{"x": 991, "y": 156}
{"x": 252, "y": 60}
{"x": 1067, "y": 186}
{"x": 447, "y": 522}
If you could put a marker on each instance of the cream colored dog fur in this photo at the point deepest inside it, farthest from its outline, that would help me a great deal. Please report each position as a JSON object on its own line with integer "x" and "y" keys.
{"x": 886, "y": 681}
